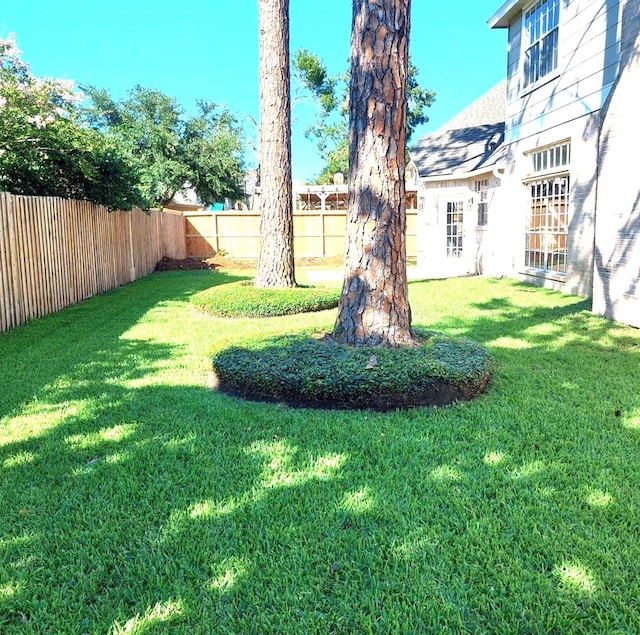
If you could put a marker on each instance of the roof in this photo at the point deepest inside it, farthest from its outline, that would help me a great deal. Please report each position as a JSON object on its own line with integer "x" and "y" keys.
{"x": 471, "y": 141}
{"x": 184, "y": 200}
{"x": 506, "y": 13}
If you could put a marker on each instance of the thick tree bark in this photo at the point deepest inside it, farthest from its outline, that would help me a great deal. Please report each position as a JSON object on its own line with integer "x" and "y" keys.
{"x": 374, "y": 306}
{"x": 275, "y": 262}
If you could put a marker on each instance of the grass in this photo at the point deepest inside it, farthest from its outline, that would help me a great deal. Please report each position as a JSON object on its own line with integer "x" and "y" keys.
{"x": 137, "y": 500}
{"x": 242, "y": 299}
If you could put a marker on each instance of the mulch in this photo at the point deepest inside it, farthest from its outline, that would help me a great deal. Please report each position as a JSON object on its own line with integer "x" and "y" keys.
{"x": 175, "y": 264}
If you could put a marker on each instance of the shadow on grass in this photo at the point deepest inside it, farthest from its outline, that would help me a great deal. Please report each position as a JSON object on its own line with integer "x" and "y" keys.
{"x": 75, "y": 335}
{"x": 149, "y": 507}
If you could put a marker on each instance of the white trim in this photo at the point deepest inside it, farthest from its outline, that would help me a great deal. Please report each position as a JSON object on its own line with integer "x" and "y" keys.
{"x": 462, "y": 176}
{"x": 501, "y": 18}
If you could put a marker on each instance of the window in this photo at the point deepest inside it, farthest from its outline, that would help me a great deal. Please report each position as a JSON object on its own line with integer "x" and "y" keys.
{"x": 482, "y": 188}
{"x": 546, "y": 233}
{"x": 454, "y": 229}
{"x": 551, "y": 158}
{"x": 541, "y": 29}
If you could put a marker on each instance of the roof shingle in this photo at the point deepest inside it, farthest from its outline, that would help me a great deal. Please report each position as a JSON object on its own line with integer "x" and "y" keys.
{"x": 470, "y": 141}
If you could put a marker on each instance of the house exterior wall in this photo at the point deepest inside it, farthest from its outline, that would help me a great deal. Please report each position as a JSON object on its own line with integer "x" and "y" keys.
{"x": 582, "y": 133}
{"x": 588, "y": 56}
{"x": 563, "y": 106}
{"x": 434, "y": 253}
{"x": 616, "y": 289}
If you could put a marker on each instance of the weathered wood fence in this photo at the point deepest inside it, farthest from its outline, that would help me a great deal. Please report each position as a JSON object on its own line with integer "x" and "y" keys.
{"x": 56, "y": 252}
{"x": 317, "y": 233}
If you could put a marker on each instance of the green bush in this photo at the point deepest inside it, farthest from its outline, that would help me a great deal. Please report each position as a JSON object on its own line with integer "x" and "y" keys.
{"x": 242, "y": 299}
{"x": 301, "y": 370}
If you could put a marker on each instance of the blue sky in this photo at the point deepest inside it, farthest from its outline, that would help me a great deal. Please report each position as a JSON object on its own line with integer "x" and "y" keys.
{"x": 208, "y": 49}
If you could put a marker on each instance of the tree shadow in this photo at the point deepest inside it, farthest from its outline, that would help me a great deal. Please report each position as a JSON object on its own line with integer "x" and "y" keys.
{"x": 77, "y": 334}
{"x": 148, "y": 506}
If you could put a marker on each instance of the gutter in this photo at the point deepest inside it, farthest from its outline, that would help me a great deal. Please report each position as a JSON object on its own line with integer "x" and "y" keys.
{"x": 462, "y": 175}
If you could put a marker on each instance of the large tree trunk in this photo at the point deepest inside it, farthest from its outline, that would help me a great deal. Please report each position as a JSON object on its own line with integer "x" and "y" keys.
{"x": 374, "y": 306}
{"x": 275, "y": 263}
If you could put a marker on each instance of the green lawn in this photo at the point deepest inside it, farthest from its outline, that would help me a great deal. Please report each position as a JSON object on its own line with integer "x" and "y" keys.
{"x": 137, "y": 500}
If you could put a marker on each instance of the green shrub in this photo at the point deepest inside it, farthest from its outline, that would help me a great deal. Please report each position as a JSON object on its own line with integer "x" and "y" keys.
{"x": 242, "y": 299}
{"x": 301, "y": 370}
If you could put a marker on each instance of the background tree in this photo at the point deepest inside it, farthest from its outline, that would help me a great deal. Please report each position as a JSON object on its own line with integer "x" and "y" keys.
{"x": 276, "y": 261}
{"x": 170, "y": 149}
{"x": 331, "y": 130}
{"x": 374, "y": 305}
{"x": 44, "y": 148}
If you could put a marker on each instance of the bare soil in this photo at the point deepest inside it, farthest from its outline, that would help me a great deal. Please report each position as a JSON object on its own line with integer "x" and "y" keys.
{"x": 225, "y": 262}
{"x": 175, "y": 264}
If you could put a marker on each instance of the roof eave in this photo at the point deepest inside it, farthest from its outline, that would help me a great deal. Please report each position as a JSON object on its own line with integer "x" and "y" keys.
{"x": 505, "y": 14}
{"x": 461, "y": 176}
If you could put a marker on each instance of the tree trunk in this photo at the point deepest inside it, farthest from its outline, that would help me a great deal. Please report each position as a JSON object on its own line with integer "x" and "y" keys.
{"x": 374, "y": 306}
{"x": 275, "y": 262}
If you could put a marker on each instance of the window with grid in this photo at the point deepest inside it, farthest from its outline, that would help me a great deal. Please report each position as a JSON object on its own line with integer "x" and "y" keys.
{"x": 551, "y": 158}
{"x": 482, "y": 189}
{"x": 547, "y": 226}
{"x": 541, "y": 28}
{"x": 454, "y": 228}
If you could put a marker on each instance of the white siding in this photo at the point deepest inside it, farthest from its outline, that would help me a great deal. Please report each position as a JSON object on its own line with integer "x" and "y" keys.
{"x": 483, "y": 247}
{"x": 616, "y": 291}
{"x": 588, "y": 60}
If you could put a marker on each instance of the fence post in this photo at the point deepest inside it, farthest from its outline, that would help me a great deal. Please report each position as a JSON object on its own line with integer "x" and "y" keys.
{"x": 18, "y": 299}
{"x": 132, "y": 267}
{"x": 6, "y": 299}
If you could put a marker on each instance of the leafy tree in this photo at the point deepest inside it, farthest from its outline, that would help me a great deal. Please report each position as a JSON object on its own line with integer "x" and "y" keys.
{"x": 44, "y": 148}
{"x": 374, "y": 305}
{"x": 332, "y": 127}
{"x": 275, "y": 262}
{"x": 168, "y": 148}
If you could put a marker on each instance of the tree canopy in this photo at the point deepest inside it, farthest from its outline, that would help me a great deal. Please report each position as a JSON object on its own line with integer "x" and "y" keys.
{"x": 44, "y": 148}
{"x": 56, "y": 140}
{"x": 331, "y": 93}
{"x": 169, "y": 148}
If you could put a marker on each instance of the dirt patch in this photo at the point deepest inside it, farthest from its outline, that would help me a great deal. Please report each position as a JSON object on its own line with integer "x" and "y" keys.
{"x": 222, "y": 263}
{"x": 175, "y": 264}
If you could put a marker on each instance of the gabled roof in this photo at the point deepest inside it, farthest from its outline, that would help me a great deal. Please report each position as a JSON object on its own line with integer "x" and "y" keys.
{"x": 471, "y": 141}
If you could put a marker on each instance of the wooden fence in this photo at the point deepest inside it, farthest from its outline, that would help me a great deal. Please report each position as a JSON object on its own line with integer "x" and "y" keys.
{"x": 317, "y": 233}
{"x": 56, "y": 252}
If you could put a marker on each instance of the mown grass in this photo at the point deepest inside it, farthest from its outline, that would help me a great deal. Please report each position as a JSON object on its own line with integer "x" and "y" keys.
{"x": 137, "y": 500}
{"x": 242, "y": 299}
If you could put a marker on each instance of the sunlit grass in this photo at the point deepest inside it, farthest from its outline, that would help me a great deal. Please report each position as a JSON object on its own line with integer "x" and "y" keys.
{"x": 136, "y": 499}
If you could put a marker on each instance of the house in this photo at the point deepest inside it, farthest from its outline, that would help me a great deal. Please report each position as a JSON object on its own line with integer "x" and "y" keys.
{"x": 573, "y": 73}
{"x": 459, "y": 173}
{"x": 562, "y": 188}
{"x": 184, "y": 201}
{"x": 616, "y": 285}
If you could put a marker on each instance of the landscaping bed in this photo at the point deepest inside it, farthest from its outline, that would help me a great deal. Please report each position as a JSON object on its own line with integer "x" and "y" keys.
{"x": 314, "y": 372}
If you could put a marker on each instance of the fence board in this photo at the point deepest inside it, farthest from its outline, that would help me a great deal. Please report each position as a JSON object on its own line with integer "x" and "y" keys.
{"x": 317, "y": 233}
{"x": 6, "y": 297}
{"x": 56, "y": 252}
{"x": 16, "y": 282}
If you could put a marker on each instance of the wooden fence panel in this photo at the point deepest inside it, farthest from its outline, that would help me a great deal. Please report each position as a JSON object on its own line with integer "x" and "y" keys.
{"x": 173, "y": 235}
{"x": 55, "y": 252}
{"x": 317, "y": 233}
